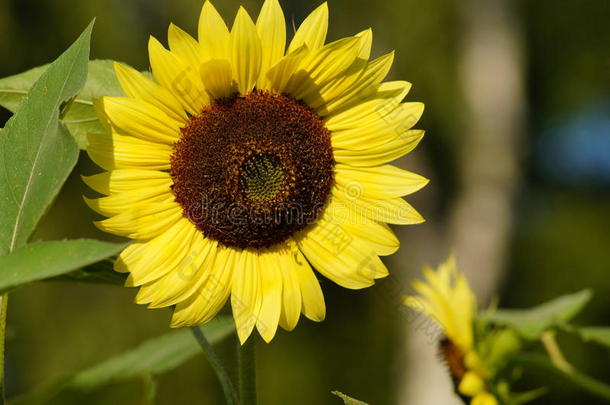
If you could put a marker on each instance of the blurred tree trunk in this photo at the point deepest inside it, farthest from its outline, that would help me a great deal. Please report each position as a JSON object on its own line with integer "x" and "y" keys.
{"x": 491, "y": 74}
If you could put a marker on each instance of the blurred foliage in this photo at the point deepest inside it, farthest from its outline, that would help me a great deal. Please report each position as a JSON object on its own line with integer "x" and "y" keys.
{"x": 560, "y": 236}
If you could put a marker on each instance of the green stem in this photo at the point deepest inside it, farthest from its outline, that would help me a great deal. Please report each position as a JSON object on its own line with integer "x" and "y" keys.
{"x": 554, "y": 352}
{"x": 582, "y": 380}
{"x": 3, "y": 308}
{"x": 221, "y": 372}
{"x": 247, "y": 372}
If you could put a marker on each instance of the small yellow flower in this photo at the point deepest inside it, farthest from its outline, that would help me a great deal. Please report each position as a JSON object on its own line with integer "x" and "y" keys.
{"x": 471, "y": 384}
{"x": 446, "y": 297}
{"x": 484, "y": 398}
{"x": 247, "y": 161}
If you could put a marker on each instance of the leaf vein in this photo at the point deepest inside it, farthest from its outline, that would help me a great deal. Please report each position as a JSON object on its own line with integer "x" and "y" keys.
{"x": 28, "y": 184}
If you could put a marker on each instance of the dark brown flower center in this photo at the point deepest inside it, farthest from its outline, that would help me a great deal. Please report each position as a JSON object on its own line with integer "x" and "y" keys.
{"x": 454, "y": 359}
{"x": 251, "y": 170}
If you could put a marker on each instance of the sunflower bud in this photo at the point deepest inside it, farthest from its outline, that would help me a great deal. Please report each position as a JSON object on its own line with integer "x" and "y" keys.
{"x": 471, "y": 384}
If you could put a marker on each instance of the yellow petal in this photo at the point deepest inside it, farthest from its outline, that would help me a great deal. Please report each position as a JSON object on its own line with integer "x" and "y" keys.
{"x": 321, "y": 66}
{"x": 446, "y": 297}
{"x": 271, "y": 28}
{"x": 217, "y": 78}
{"x": 379, "y": 182}
{"x": 140, "y": 119}
{"x": 317, "y": 96}
{"x": 366, "y": 85}
{"x": 368, "y": 233}
{"x": 184, "y": 46}
{"x": 424, "y": 306}
{"x": 385, "y": 99}
{"x": 205, "y": 303}
{"x": 185, "y": 279}
{"x": 392, "y": 210}
{"x": 312, "y": 299}
{"x": 341, "y": 83}
{"x": 291, "y": 291}
{"x": 130, "y": 200}
{"x": 217, "y": 288}
{"x": 338, "y": 256}
{"x": 113, "y": 151}
{"x": 381, "y": 130}
{"x": 162, "y": 289}
{"x": 136, "y": 85}
{"x": 280, "y": 75}
{"x": 180, "y": 78}
{"x": 375, "y": 234}
{"x": 148, "y": 221}
{"x": 119, "y": 181}
{"x": 382, "y": 153}
{"x": 378, "y": 235}
{"x": 436, "y": 306}
{"x": 246, "y": 294}
{"x": 149, "y": 260}
{"x": 366, "y": 43}
{"x": 342, "y": 54}
{"x": 312, "y": 31}
{"x": 246, "y": 52}
{"x": 272, "y": 285}
{"x": 213, "y": 33}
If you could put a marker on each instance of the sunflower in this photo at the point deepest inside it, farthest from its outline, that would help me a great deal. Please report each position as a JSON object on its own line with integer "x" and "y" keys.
{"x": 242, "y": 164}
{"x": 446, "y": 297}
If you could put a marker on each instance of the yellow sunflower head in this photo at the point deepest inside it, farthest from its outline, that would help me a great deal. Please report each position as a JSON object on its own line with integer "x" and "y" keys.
{"x": 245, "y": 162}
{"x": 446, "y": 297}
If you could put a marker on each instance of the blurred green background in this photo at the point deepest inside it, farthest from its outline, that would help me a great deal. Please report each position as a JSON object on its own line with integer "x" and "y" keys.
{"x": 546, "y": 66}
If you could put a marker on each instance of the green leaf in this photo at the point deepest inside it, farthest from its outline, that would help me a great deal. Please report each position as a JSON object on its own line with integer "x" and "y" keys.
{"x": 36, "y": 151}
{"x": 579, "y": 379}
{"x": 40, "y": 260}
{"x": 498, "y": 344}
{"x": 81, "y": 117}
{"x": 98, "y": 273}
{"x": 531, "y": 323}
{"x": 596, "y": 334}
{"x": 153, "y": 357}
{"x": 348, "y": 400}
{"x": 14, "y": 88}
